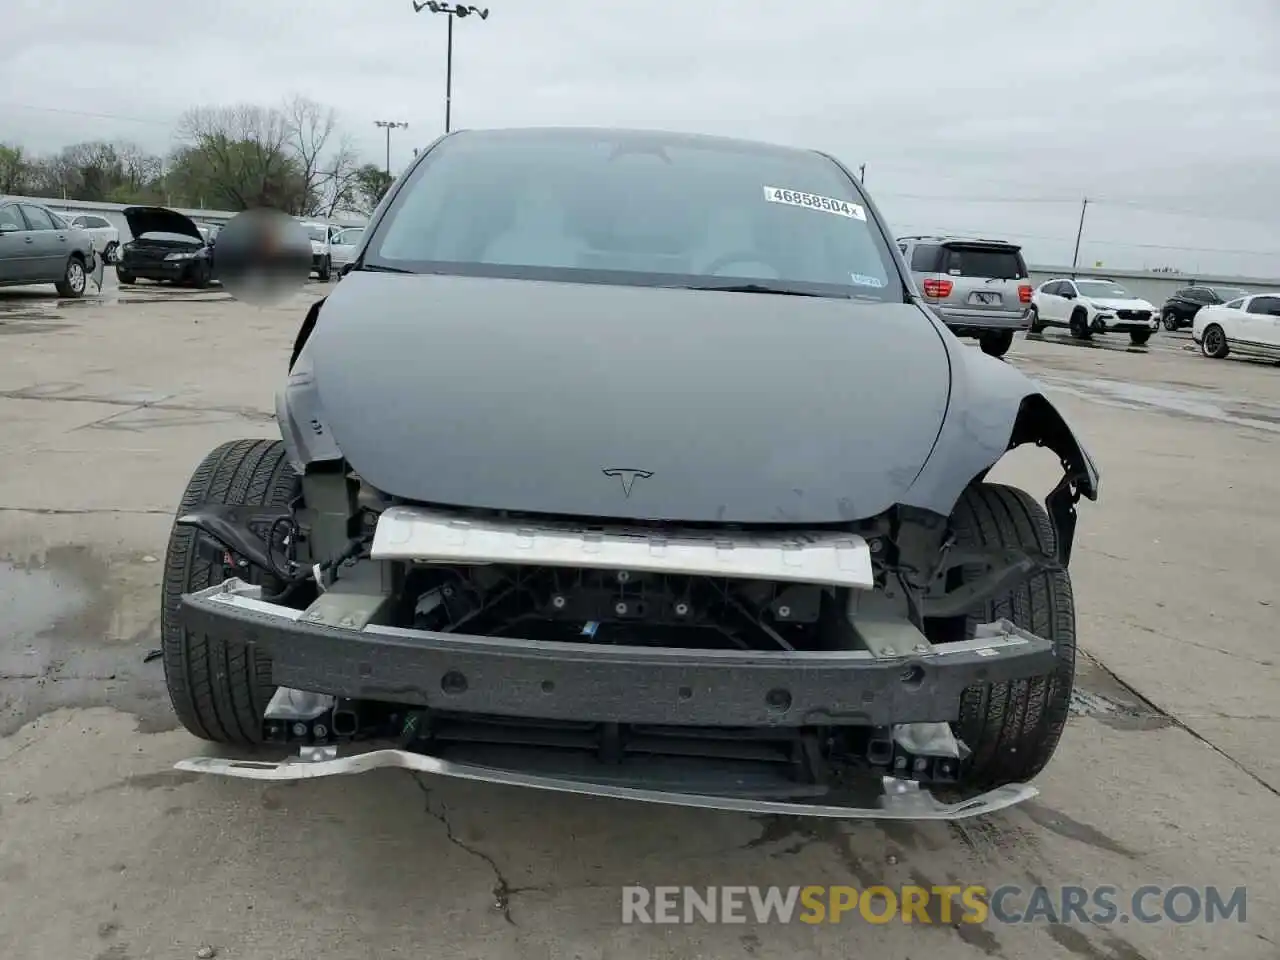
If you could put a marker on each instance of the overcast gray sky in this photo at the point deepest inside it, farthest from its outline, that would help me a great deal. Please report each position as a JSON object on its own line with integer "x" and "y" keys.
{"x": 976, "y": 115}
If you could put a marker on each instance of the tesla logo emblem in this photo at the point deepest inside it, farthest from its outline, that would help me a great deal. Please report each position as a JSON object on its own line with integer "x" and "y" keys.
{"x": 628, "y": 478}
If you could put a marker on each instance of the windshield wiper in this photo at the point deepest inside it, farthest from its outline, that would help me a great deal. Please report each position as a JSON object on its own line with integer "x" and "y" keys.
{"x": 379, "y": 268}
{"x": 758, "y": 288}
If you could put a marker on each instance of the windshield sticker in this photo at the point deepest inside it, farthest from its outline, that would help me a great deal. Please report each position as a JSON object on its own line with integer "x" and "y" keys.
{"x": 797, "y": 198}
{"x": 862, "y": 280}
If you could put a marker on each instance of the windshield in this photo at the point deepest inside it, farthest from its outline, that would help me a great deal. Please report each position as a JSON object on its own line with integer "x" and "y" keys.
{"x": 640, "y": 209}
{"x": 1230, "y": 293}
{"x": 1103, "y": 289}
{"x": 316, "y": 232}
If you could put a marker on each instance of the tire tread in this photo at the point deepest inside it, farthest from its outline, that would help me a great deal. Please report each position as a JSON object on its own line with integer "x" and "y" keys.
{"x": 218, "y": 689}
{"x": 1013, "y": 728}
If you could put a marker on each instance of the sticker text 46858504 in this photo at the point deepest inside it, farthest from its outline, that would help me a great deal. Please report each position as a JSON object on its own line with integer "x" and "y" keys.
{"x": 798, "y": 198}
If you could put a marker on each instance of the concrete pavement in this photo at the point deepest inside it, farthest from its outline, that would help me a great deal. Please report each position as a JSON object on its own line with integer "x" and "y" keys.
{"x": 1168, "y": 772}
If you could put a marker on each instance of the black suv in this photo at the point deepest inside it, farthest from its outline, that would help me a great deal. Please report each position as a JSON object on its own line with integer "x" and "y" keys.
{"x": 1180, "y": 309}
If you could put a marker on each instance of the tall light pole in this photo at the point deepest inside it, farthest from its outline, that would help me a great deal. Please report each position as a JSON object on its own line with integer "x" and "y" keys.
{"x": 389, "y": 125}
{"x": 450, "y": 10}
{"x": 1075, "y": 257}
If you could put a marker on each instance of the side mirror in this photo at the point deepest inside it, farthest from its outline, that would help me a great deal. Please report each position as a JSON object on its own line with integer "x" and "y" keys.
{"x": 1068, "y": 295}
{"x": 346, "y": 268}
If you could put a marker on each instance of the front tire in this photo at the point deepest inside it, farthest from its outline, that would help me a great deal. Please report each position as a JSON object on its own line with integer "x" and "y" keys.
{"x": 73, "y": 279}
{"x": 1170, "y": 321}
{"x": 124, "y": 276}
{"x": 1213, "y": 342}
{"x": 1080, "y": 326}
{"x": 1012, "y": 728}
{"x": 219, "y": 689}
{"x": 325, "y": 271}
{"x": 1139, "y": 337}
{"x": 1036, "y": 325}
{"x": 200, "y": 275}
{"x": 996, "y": 344}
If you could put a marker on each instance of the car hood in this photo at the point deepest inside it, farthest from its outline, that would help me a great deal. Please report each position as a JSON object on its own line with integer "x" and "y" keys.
{"x": 1129, "y": 304}
{"x": 628, "y": 402}
{"x": 161, "y": 220}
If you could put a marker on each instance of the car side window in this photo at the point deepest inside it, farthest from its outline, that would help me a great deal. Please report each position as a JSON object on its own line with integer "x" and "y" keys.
{"x": 10, "y": 217}
{"x": 1066, "y": 288}
{"x": 1267, "y": 306}
{"x": 924, "y": 258}
{"x": 38, "y": 218}
{"x": 1235, "y": 304}
{"x": 1195, "y": 295}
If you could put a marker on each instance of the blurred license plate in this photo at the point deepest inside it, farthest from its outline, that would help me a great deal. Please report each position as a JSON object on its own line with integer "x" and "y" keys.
{"x": 986, "y": 299}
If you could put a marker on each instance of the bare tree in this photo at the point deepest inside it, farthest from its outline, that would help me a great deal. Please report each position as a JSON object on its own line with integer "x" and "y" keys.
{"x": 243, "y": 156}
{"x": 139, "y": 169}
{"x": 310, "y": 126}
{"x": 340, "y": 186}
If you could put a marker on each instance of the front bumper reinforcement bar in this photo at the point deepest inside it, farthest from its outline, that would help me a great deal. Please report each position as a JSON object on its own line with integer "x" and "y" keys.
{"x": 606, "y": 683}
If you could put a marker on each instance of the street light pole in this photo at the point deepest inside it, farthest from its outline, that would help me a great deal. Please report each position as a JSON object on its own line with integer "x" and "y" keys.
{"x": 389, "y": 125}
{"x": 448, "y": 77}
{"x": 1075, "y": 257}
{"x": 451, "y": 11}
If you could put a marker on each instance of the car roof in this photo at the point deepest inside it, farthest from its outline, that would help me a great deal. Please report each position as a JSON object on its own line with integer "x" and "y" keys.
{"x": 638, "y": 134}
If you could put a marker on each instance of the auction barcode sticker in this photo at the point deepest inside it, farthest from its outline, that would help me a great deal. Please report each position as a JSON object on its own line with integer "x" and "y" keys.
{"x": 798, "y": 198}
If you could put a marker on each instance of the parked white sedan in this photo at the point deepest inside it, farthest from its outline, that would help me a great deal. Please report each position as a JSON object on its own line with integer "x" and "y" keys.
{"x": 1248, "y": 326}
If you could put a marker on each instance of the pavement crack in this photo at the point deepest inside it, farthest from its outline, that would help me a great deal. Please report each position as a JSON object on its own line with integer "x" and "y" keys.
{"x": 1184, "y": 640}
{"x": 502, "y": 889}
{"x": 1182, "y": 725}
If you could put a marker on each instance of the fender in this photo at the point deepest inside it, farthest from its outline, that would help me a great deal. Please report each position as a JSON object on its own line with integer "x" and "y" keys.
{"x": 299, "y": 415}
{"x": 993, "y": 408}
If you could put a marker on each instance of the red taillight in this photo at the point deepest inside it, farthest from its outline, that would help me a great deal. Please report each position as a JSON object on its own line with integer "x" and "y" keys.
{"x": 938, "y": 288}
{"x": 1024, "y": 294}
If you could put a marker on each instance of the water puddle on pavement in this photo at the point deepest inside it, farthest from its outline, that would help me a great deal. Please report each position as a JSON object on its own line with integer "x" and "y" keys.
{"x": 1197, "y": 404}
{"x": 32, "y": 599}
{"x": 56, "y": 649}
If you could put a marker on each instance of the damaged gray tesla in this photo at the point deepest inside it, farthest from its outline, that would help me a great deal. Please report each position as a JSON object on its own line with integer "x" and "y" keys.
{"x": 631, "y": 464}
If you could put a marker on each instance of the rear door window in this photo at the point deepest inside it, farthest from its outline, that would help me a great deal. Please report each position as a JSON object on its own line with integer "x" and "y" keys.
{"x": 1268, "y": 306}
{"x": 38, "y": 218}
{"x": 924, "y": 258}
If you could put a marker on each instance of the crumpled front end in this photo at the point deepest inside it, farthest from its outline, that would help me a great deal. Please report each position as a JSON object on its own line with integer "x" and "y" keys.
{"x": 772, "y": 671}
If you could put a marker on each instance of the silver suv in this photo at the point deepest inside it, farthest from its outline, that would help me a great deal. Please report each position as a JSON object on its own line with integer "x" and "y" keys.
{"x": 979, "y": 288}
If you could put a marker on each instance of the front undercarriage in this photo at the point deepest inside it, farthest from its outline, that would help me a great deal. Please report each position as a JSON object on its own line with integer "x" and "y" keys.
{"x": 764, "y": 665}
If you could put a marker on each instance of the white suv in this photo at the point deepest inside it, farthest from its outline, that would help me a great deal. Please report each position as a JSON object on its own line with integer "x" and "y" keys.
{"x": 1089, "y": 305}
{"x": 106, "y": 236}
{"x": 322, "y": 236}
